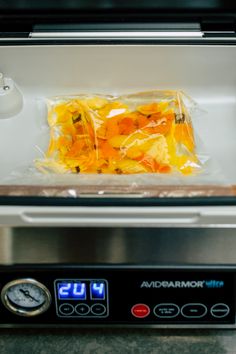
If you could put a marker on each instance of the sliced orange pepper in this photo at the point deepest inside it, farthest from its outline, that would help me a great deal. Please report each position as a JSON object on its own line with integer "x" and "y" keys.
{"x": 149, "y": 108}
{"x": 162, "y": 126}
{"x": 142, "y": 121}
{"x": 107, "y": 150}
{"x": 76, "y": 148}
{"x": 133, "y": 152}
{"x": 155, "y": 117}
{"x": 170, "y": 116}
{"x": 150, "y": 163}
{"x": 112, "y": 128}
{"x": 164, "y": 168}
{"x": 79, "y": 128}
{"x": 127, "y": 126}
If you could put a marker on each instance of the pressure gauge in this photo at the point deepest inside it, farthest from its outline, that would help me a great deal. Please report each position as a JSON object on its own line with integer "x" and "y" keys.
{"x": 26, "y": 297}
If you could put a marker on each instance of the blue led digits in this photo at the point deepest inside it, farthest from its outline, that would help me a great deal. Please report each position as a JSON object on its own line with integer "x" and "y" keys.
{"x": 64, "y": 290}
{"x": 71, "y": 291}
{"x": 97, "y": 290}
{"x": 79, "y": 289}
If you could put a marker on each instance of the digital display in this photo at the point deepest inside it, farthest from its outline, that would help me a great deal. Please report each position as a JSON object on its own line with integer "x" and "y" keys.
{"x": 97, "y": 290}
{"x": 81, "y": 289}
{"x": 72, "y": 291}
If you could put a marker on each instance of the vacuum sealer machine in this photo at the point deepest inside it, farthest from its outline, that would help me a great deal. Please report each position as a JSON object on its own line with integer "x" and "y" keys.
{"x": 117, "y": 259}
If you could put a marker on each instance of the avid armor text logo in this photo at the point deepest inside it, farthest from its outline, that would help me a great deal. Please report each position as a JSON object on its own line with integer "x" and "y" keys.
{"x": 210, "y": 284}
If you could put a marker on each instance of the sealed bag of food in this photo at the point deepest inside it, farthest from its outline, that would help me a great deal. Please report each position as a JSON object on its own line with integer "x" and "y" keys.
{"x": 149, "y": 132}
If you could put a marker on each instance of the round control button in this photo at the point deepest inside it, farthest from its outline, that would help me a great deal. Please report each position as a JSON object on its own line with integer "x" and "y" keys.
{"x": 220, "y": 310}
{"x": 166, "y": 310}
{"x": 66, "y": 309}
{"x": 82, "y": 309}
{"x": 194, "y": 310}
{"x": 98, "y": 309}
{"x": 140, "y": 310}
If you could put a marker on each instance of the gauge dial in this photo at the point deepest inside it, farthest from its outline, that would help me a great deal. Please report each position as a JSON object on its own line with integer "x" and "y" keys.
{"x": 26, "y": 297}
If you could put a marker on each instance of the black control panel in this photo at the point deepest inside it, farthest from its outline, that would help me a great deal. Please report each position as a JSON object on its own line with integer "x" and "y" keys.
{"x": 122, "y": 295}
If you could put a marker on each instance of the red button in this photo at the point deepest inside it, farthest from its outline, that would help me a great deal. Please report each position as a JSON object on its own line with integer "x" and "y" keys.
{"x": 140, "y": 310}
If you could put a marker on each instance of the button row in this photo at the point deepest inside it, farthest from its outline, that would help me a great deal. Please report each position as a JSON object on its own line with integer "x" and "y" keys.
{"x": 169, "y": 310}
{"x": 82, "y": 309}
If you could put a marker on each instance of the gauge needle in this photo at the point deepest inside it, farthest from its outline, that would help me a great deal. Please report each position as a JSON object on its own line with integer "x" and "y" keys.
{"x": 27, "y": 294}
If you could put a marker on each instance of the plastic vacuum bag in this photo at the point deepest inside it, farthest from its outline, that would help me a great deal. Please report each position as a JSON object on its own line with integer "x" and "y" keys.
{"x": 148, "y": 132}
